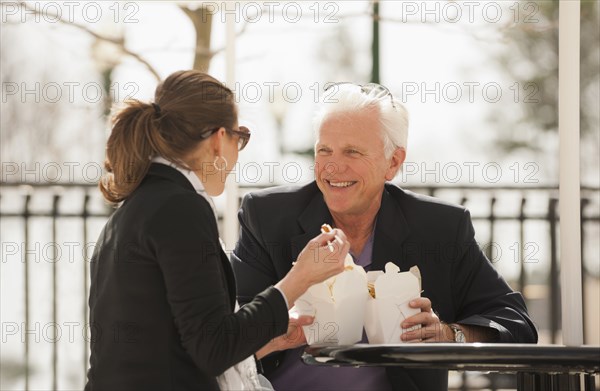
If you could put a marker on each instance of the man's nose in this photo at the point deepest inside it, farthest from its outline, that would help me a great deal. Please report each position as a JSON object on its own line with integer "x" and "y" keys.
{"x": 335, "y": 166}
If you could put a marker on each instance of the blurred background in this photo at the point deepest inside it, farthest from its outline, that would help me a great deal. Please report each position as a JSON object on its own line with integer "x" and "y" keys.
{"x": 479, "y": 79}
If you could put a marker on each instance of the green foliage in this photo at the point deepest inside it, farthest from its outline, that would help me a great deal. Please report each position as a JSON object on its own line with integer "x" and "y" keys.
{"x": 532, "y": 61}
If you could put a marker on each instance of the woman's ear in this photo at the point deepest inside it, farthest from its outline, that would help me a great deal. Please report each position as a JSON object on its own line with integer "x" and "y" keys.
{"x": 216, "y": 142}
{"x": 396, "y": 161}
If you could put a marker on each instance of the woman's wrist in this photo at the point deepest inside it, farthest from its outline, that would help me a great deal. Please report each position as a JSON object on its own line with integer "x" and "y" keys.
{"x": 293, "y": 285}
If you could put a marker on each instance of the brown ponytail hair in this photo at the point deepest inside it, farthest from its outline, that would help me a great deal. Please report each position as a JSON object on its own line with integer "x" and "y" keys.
{"x": 188, "y": 105}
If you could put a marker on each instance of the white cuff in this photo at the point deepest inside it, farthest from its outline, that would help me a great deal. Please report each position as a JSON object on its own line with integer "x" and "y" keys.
{"x": 287, "y": 305}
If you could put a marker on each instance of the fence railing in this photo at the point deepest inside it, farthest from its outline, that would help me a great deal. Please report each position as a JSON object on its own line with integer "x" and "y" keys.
{"x": 48, "y": 233}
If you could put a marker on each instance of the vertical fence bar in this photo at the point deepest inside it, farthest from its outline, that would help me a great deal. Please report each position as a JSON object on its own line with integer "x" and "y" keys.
{"x": 492, "y": 220}
{"x": 54, "y": 286}
{"x": 584, "y": 203}
{"x": 589, "y": 382}
{"x": 554, "y": 293}
{"x": 26, "y": 215}
{"x": 522, "y": 276}
{"x": 85, "y": 215}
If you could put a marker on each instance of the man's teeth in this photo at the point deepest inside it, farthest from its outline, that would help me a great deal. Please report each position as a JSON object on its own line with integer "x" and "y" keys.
{"x": 341, "y": 184}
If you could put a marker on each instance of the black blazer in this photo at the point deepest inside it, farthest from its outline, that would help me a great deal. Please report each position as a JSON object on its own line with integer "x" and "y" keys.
{"x": 162, "y": 295}
{"x": 411, "y": 230}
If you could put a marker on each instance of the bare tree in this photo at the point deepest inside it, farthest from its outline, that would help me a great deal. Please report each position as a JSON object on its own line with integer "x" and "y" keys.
{"x": 30, "y": 127}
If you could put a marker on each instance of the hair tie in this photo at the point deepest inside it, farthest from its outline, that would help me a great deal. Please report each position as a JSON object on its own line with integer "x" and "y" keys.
{"x": 156, "y": 108}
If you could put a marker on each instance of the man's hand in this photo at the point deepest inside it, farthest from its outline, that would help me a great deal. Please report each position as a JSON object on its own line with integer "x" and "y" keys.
{"x": 432, "y": 330}
{"x": 293, "y": 338}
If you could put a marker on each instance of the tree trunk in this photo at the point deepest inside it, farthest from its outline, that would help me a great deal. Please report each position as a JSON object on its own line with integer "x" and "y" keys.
{"x": 202, "y": 20}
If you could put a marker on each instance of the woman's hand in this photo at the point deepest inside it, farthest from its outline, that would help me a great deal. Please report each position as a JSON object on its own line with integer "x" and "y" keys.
{"x": 322, "y": 258}
{"x": 293, "y": 338}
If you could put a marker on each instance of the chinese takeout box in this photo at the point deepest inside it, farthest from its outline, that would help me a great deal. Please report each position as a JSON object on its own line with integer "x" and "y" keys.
{"x": 387, "y": 305}
{"x": 338, "y": 305}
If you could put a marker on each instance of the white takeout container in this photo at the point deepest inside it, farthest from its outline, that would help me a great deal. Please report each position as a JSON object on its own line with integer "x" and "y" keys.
{"x": 389, "y": 308}
{"x": 338, "y": 305}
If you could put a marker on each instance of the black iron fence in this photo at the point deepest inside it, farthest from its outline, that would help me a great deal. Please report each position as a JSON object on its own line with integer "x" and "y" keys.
{"x": 48, "y": 233}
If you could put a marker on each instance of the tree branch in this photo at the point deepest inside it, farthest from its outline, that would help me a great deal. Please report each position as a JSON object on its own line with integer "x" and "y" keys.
{"x": 115, "y": 41}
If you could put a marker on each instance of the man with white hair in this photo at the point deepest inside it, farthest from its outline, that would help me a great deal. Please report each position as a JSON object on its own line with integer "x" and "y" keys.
{"x": 360, "y": 147}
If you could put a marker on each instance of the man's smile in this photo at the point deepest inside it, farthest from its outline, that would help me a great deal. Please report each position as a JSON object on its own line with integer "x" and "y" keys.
{"x": 340, "y": 184}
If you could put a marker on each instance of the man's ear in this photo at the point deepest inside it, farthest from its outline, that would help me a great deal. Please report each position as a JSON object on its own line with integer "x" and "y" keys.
{"x": 396, "y": 161}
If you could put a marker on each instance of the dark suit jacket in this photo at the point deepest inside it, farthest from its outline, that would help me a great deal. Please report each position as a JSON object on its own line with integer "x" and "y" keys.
{"x": 162, "y": 295}
{"x": 411, "y": 230}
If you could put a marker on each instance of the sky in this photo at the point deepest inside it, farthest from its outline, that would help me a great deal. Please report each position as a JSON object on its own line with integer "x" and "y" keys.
{"x": 438, "y": 58}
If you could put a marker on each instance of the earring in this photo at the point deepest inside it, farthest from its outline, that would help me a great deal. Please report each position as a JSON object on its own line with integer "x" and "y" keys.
{"x": 223, "y": 167}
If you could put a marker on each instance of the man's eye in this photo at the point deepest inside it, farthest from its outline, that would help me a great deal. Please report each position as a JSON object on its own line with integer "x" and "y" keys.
{"x": 353, "y": 152}
{"x": 323, "y": 150}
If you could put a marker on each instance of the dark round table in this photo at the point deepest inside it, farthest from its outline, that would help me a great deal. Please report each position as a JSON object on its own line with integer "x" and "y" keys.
{"x": 537, "y": 367}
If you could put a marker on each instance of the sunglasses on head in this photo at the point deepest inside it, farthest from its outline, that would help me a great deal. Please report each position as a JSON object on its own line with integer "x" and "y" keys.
{"x": 373, "y": 89}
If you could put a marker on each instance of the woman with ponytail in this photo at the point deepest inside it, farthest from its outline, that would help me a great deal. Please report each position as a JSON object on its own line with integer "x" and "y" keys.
{"x": 163, "y": 313}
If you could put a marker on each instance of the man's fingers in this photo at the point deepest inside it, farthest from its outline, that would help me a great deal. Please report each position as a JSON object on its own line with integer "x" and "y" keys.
{"x": 422, "y": 302}
{"x": 424, "y": 318}
{"x": 303, "y": 320}
{"x": 423, "y": 334}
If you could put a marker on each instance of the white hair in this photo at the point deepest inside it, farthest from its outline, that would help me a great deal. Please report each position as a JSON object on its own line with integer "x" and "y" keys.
{"x": 350, "y": 98}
